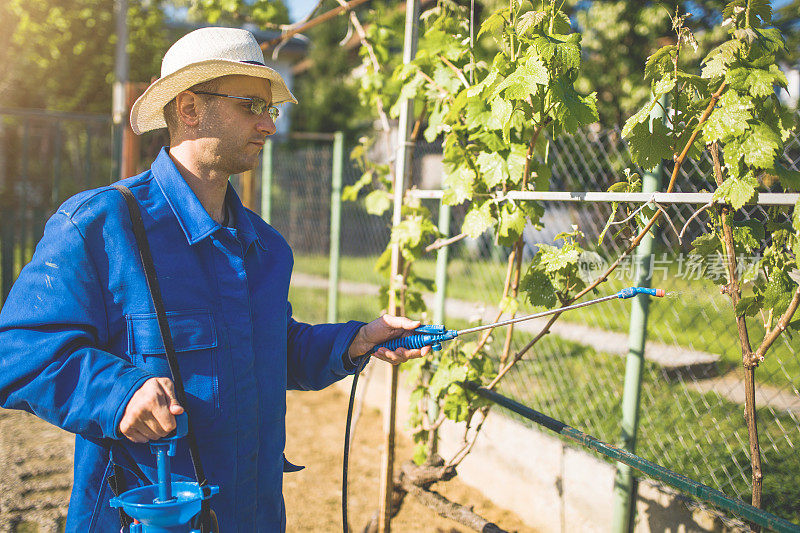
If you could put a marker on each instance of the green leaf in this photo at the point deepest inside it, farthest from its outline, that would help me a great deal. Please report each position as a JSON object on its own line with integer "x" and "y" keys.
{"x": 500, "y": 114}
{"x": 512, "y": 222}
{"x": 478, "y": 220}
{"x": 495, "y": 24}
{"x": 456, "y": 405}
{"x": 571, "y": 109}
{"x": 778, "y": 293}
{"x": 663, "y": 86}
{"x": 706, "y": 245}
{"x": 539, "y": 288}
{"x": 458, "y": 184}
{"x": 529, "y": 20}
{"x": 748, "y": 306}
{"x": 493, "y": 167}
{"x": 563, "y": 51}
{"x": 524, "y": 81}
{"x": 796, "y": 217}
{"x": 761, "y": 145}
{"x": 516, "y": 162}
{"x": 448, "y": 373}
{"x": 758, "y": 82}
{"x": 717, "y": 61}
{"x": 729, "y": 119}
{"x": 420, "y": 453}
{"x": 737, "y": 191}
{"x": 749, "y": 234}
{"x": 377, "y": 202}
{"x": 659, "y": 63}
{"x": 641, "y": 116}
{"x": 648, "y": 148}
{"x": 554, "y": 259}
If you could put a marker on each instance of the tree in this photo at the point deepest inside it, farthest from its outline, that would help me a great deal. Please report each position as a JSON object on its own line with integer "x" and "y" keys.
{"x": 326, "y": 92}
{"x": 619, "y": 36}
{"x": 59, "y": 54}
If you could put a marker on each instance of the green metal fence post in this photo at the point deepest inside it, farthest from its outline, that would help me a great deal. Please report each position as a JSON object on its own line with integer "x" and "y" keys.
{"x": 336, "y": 222}
{"x": 625, "y": 485}
{"x": 441, "y": 265}
{"x": 266, "y": 181}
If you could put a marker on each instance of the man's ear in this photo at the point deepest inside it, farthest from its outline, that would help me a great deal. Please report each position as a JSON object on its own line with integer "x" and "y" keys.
{"x": 187, "y": 108}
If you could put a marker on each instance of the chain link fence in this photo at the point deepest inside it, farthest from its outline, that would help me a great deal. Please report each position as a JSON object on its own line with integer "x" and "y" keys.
{"x": 692, "y": 400}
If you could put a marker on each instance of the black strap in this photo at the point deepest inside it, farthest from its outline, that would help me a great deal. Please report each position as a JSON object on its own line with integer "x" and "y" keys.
{"x": 117, "y": 483}
{"x": 166, "y": 338}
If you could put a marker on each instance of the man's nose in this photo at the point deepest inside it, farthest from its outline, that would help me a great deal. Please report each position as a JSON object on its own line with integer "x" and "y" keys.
{"x": 266, "y": 125}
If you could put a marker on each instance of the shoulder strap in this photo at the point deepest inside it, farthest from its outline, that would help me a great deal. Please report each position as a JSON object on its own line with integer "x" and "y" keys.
{"x": 166, "y": 336}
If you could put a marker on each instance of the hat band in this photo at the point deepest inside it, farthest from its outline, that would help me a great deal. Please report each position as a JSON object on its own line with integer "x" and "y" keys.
{"x": 254, "y": 63}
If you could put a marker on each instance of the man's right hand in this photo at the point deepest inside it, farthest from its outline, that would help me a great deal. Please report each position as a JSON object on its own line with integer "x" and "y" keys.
{"x": 150, "y": 413}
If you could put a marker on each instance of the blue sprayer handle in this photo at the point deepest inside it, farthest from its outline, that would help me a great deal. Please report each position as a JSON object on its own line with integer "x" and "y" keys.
{"x": 630, "y": 292}
{"x": 429, "y": 335}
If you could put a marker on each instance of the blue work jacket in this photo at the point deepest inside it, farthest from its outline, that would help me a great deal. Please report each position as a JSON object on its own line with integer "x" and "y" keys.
{"x": 78, "y": 336}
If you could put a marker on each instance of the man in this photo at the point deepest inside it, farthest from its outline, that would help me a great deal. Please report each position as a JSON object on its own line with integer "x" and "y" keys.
{"x": 80, "y": 342}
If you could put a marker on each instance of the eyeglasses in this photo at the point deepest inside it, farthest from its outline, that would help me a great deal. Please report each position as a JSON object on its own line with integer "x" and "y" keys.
{"x": 257, "y": 105}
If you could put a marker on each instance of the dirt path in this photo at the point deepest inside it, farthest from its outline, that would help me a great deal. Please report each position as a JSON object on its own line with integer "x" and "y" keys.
{"x": 315, "y": 433}
{"x": 36, "y": 473}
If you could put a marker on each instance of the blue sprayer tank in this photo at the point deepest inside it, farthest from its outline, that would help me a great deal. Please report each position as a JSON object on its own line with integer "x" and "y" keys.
{"x": 165, "y": 507}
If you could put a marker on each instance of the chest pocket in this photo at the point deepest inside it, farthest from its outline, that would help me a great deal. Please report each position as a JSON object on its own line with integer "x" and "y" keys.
{"x": 195, "y": 339}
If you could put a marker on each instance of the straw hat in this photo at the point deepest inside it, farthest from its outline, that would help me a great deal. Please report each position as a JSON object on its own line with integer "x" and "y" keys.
{"x": 200, "y": 56}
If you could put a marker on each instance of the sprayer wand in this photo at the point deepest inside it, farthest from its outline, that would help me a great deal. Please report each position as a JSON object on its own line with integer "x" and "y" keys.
{"x": 434, "y": 335}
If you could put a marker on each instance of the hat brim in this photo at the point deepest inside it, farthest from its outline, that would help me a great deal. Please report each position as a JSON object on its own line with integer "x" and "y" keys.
{"x": 147, "y": 112}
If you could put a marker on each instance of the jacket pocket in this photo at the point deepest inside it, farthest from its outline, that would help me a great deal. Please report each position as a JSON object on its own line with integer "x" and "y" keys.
{"x": 195, "y": 339}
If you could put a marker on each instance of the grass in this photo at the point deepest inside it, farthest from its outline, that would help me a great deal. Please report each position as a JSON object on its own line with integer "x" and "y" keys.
{"x": 695, "y": 316}
{"x": 702, "y": 436}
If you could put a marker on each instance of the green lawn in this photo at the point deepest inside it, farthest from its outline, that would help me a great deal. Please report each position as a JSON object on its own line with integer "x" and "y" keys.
{"x": 695, "y": 315}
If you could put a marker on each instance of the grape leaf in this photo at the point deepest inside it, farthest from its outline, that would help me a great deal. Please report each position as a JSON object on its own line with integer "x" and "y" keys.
{"x": 748, "y": 306}
{"x": 458, "y": 185}
{"x": 448, "y": 373}
{"x": 642, "y": 115}
{"x": 737, "y": 191}
{"x": 456, "y": 405}
{"x": 524, "y": 81}
{"x": 493, "y": 167}
{"x": 716, "y": 62}
{"x": 729, "y": 119}
{"x": 571, "y": 109}
{"x": 529, "y": 20}
{"x": 648, "y": 148}
{"x": 512, "y": 222}
{"x": 500, "y": 114}
{"x": 659, "y": 63}
{"x": 478, "y": 220}
{"x": 761, "y": 145}
{"x": 495, "y": 24}
{"x": 554, "y": 259}
{"x": 758, "y": 82}
{"x": 516, "y": 162}
{"x": 539, "y": 288}
{"x": 377, "y": 202}
{"x": 706, "y": 245}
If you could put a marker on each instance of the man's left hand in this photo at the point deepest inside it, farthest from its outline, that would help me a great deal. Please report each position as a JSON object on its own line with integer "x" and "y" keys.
{"x": 381, "y": 330}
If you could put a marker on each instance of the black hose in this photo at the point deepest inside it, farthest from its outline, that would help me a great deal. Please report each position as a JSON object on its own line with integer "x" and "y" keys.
{"x": 361, "y": 364}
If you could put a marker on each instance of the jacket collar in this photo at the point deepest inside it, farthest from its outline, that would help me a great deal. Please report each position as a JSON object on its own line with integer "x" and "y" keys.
{"x": 193, "y": 218}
